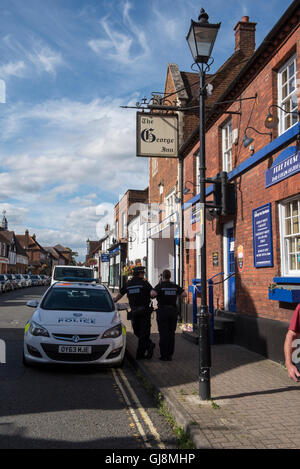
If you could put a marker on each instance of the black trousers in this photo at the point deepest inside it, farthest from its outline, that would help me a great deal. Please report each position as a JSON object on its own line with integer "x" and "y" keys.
{"x": 141, "y": 324}
{"x": 167, "y": 322}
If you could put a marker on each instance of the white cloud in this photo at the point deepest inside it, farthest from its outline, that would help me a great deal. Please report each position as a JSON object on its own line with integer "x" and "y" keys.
{"x": 36, "y": 53}
{"x": 46, "y": 60}
{"x": 127, "y": 47}
{"x": 79, "y": 143}
{"x": 16, "y": 69}
{"x": 16, "y": 216}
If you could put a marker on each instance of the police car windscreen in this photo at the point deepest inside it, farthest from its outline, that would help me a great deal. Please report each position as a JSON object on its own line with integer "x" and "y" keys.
{"x": 61, "y": 273}
{"x": 78, "y": 299}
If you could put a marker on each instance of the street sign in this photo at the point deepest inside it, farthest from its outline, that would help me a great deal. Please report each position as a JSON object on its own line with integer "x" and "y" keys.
{"x": 262, "y": 236}
{"x": 104, "y": 257}
{"x": 156, "y": 135}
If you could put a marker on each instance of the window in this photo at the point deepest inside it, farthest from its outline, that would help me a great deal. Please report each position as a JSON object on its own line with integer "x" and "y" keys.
{"x": 227, "y": 146}
{"x": 124, "y": 225}
{"x": 154, "y": 166}
{"x": 170, "y": 204}
{"x": 78, "y": 299}
{"x": 287, "y": 94}
{"x": 290, "y": 237}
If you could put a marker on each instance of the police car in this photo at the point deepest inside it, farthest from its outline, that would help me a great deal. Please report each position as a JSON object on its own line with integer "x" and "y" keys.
{"x": 75, "y": 323}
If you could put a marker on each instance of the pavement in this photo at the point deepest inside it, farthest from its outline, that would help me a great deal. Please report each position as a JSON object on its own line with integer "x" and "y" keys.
{"x": 254, "y": 405}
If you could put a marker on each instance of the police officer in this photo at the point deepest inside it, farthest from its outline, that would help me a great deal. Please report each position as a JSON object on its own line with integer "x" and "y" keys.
{"x": 138, "y": 294}
{"x": 166, "y": 293}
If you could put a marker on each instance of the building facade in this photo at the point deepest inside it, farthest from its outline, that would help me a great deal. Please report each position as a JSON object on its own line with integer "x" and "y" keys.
{"x": 256, "y": 249}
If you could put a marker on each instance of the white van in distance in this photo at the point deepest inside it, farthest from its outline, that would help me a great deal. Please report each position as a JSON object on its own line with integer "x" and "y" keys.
{"x": 72, "y": 273}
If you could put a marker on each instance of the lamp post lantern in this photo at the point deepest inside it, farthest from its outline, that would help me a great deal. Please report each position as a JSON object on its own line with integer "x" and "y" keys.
{"x": 201, "y": 39}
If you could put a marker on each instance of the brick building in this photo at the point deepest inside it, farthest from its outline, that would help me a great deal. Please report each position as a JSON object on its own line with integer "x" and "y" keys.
{"x": 4, "y": 249}
{"x": 38, "y": 257}
{"x": 128, "y": 206}
{"x": 182, "y": 89}
{"x": 260, "y": 243}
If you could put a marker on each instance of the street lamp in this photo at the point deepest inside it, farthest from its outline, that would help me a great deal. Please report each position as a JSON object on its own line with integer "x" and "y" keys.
{"x": 248, "y": 140}
{"x": 272, "y": 121}
{"x": 201, "y": 39}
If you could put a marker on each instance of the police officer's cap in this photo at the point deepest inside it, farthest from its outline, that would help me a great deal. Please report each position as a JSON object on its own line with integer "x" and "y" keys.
{"x": 137, "y": 270}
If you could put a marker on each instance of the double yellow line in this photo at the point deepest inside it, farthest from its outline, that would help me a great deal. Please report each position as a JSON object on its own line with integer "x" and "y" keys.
{"x": 138, "y": 412}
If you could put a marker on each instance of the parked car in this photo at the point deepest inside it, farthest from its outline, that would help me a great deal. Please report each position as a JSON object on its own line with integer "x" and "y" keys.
{"x": 35, "y": 280}
{"x": 27, "y": 280}
{"x": 75, "y": 323}
{"x": 20, "y": 280}
{"x": 5, "y": 284}
{"x": 13, "y": 281}
{"x": 45, "y": 279}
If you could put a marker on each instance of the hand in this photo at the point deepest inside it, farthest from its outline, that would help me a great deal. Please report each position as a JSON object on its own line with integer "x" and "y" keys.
{"x": 293, "y": 373}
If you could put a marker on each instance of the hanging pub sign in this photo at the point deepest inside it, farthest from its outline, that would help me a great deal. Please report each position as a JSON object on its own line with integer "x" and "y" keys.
{"x": 156, "y": 135}
{"x": 262, "y": 236}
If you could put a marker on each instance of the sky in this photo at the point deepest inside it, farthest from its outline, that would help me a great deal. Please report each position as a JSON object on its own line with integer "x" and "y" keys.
{"x": 67, "y": 148}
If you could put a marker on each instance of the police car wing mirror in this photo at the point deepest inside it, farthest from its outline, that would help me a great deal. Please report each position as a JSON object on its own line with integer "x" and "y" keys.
{"x": 122, "y": 306}
{"x": 32, "y": 303}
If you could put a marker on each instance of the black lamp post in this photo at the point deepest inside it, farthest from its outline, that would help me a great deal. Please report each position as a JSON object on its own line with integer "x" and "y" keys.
{"x": 201, "y": 39}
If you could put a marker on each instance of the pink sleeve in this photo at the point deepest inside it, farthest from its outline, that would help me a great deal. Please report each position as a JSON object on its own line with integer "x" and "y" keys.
{"x": 295, "y": 321}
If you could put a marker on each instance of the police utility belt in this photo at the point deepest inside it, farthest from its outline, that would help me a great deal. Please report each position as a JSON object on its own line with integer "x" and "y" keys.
{"x": 137, "y": 311}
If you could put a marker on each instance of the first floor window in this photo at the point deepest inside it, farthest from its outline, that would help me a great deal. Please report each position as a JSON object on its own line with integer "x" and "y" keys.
{"x": 290, "y": 236}
{"x": 288, "y": 94}
{"x": 227, "y": 146}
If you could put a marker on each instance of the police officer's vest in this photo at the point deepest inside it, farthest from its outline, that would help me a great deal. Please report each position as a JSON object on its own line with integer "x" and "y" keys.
{"x": 167, "y": 293}
{"x": 138, "y": 292}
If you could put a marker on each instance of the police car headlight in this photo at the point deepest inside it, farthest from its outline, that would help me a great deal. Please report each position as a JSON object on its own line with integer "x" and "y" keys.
{"x": 114, "y": 332}
{"x": 37, "y": 330}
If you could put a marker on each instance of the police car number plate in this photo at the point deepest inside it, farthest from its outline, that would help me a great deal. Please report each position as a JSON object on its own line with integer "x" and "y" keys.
{"x": 74, "y": 349}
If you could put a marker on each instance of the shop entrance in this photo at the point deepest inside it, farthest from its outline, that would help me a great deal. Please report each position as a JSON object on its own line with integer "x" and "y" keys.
{"x": 229, "y": 268}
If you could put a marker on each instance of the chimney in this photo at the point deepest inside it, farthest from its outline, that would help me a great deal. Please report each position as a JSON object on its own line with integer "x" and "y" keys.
{"x": 26, "y": 239}
{"x": 245, "y": 36}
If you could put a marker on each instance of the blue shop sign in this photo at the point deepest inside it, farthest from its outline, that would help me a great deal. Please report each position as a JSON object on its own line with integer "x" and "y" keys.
{"x": 104, "y": 257}
{"x": 262, "y": 236}
{"x": 287, "y": 164}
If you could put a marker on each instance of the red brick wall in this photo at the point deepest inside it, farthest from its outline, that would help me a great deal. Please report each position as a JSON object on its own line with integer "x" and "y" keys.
{"x": 252, "y": 283}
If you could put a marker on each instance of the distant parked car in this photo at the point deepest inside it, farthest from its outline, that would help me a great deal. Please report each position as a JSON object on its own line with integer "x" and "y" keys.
{"x": 35, "y": 280}
{"x": 20, "y": 280}
{"x": 13, "y": 281}
{"x": 45, "y": 279}
{"x": 27, "y": 280}
{"x": 5, "y": 284}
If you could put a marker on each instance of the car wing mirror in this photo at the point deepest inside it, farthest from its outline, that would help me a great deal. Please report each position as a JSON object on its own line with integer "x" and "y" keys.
{"x": 32, "y": 303}
{"x": 122, "y": 306}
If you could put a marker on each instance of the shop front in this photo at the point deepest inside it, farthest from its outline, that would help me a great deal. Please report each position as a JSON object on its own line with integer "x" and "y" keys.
{"x": 117, "y": 260}
{"x": 163, "y": 249}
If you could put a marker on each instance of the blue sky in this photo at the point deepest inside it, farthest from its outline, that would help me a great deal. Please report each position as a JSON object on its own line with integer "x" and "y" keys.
{"x": 67, "y": 149}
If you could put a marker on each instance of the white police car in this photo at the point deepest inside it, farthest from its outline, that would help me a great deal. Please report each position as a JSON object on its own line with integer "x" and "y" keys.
{"x": 75, "y": 323}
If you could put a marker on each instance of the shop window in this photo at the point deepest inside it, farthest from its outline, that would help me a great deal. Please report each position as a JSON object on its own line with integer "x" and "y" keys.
{"x": 290, "y": 237}
{"x": 287, "y": 94}
{"x": 227, "y": 146}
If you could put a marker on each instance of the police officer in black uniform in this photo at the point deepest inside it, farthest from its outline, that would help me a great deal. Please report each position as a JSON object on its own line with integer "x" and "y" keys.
{"x": 138, "y": 294}
{"x": 166, "y": 293}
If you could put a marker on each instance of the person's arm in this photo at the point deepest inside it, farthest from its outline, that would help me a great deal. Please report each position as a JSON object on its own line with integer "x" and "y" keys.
{"x": 183, "y": 294}
{"x": 153, "y": 294}
{"x": 292, "y": 371}
{"x": 118, "y": 297}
